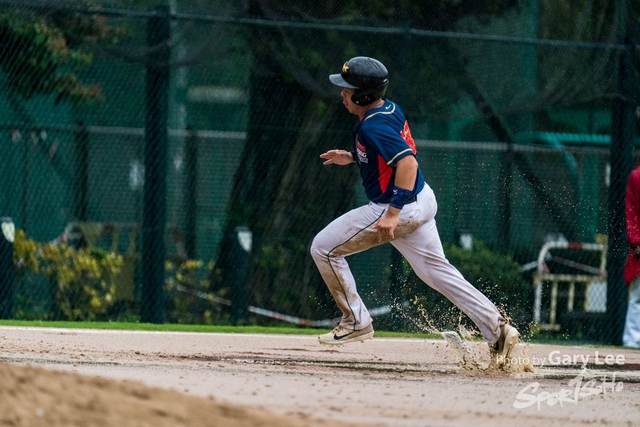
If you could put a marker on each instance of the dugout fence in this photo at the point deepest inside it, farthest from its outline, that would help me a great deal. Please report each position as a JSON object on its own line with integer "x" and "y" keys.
{"x": 204, "y": 116}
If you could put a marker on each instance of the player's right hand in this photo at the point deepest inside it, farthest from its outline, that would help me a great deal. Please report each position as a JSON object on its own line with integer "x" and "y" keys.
{"x": 337, "y": 157}
{"x": 387, "y": 224}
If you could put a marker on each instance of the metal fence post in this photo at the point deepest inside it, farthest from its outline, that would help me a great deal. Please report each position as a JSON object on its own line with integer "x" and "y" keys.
{"x": 24, "y": 194}
{"x": 621, "y": 157}
{"x": 81, "y": 179}
{"x": 398, "y": 279}
{"x": 191, "y": 192}
{"x": 7, "y": 269}
{"x": 240, "y": 273}
{"x": 155, "y": 163}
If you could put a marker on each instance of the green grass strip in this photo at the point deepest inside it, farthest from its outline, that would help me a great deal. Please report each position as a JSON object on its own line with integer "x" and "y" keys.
{"x": 133, "y": 326}
{"x": 283, "y": 330}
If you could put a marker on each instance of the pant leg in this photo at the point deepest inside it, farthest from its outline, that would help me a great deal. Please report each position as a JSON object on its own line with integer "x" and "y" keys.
{"x": 423, "y": 250}
{"x": 349, "y": 234}
{"x": 631, "y": 335}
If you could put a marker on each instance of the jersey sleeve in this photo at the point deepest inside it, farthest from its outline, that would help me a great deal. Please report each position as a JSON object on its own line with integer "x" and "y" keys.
{"x": 392, "y": 145}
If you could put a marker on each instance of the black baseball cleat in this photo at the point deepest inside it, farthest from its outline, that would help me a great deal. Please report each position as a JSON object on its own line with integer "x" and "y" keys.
{"x": 341, "y": 335}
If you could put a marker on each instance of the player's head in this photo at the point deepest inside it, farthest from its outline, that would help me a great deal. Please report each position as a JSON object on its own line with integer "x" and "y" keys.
{"x": 367, "y": 76}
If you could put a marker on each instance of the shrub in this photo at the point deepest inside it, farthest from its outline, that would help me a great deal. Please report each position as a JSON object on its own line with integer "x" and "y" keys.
{"x": 496, "y": 275}
{"x": 81, "y": 280}
{"x": 189, "y": 300}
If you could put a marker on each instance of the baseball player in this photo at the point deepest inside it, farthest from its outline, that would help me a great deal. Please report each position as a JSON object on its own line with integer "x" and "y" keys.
{"x": 401, "y": 211}
{"x": 631, "y": 334}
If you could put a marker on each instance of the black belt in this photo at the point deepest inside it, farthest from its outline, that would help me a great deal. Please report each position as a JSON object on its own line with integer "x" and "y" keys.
{"x": 410, "y": 200}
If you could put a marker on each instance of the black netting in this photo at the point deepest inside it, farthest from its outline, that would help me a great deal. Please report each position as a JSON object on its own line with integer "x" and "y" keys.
{"x": 158, "y": 156}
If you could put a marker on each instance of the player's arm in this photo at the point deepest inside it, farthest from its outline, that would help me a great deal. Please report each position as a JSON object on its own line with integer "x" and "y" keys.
{"x": 405, "y": 179}
{"x": 337, "y": 157}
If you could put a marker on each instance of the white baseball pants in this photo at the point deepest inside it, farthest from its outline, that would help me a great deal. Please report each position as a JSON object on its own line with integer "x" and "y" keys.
{"x": 417, "y": 239}
{"x": 631, "y": 335}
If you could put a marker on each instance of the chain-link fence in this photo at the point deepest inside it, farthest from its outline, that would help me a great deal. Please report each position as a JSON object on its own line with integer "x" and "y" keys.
{"x": 161, "y": 162}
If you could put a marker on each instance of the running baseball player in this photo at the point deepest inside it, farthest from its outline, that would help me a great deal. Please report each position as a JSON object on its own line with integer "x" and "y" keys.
{"x": 401, "y": 211}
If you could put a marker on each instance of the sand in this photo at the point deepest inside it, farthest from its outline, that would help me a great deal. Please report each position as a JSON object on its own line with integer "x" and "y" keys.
{"x": 64, "y": 377}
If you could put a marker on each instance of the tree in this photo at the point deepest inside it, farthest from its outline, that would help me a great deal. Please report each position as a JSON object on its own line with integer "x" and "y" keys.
{"x": 43, "y": 48}
{"x": 281, "y": 190}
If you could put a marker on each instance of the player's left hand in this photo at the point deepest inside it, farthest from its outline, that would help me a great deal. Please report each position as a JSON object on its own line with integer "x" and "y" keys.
{"x": 337, "y": 157}
{"x": 386, "y": 225}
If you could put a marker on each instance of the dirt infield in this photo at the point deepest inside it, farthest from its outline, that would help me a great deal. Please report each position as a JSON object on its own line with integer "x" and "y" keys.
{"x": 193, "y": 379}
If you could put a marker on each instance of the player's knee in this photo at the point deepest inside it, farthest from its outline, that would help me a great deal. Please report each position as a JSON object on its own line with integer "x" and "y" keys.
{"x": 314, "y": 249}
{"x": 317, "y": 251}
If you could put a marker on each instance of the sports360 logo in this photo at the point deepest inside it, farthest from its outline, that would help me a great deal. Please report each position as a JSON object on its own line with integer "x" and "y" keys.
{"x": 532, "y": 394}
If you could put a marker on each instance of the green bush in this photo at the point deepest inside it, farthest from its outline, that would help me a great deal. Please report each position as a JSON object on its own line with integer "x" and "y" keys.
{"x": 81, "y": 280}
{"x": 189, "y": 300}
{"x": 496, "y": 275}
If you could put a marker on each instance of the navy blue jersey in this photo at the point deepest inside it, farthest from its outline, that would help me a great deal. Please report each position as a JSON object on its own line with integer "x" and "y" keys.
{"x": 382, "y": 138}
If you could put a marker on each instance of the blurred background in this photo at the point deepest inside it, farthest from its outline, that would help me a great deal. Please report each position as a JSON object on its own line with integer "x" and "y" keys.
{"x": 160, "y": 158}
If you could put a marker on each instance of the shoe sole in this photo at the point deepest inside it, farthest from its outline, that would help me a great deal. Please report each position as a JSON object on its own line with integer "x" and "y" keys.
{"x": 510, "y": 341}
{"x": 359, "y": 338}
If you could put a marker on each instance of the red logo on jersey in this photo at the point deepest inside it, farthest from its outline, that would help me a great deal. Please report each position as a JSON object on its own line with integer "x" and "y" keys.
{"x": 406, "y": 135}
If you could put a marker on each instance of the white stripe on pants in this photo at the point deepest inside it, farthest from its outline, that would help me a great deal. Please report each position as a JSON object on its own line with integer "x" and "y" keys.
{"x": 631, "y": 336}
{"x": 416, "y": 237}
